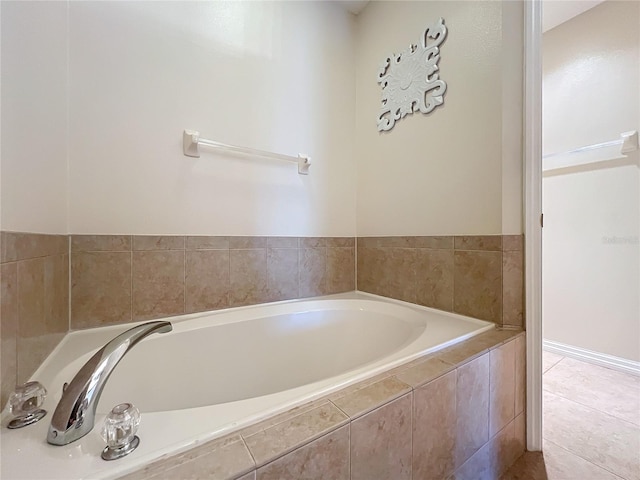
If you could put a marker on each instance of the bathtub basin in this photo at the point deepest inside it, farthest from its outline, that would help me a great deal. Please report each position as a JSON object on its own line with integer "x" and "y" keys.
{"x": 220, "y": 371}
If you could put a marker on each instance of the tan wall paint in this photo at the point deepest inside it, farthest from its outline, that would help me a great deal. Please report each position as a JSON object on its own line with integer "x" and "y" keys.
{"x": 34, "y": 117}
{"x": 591, "y": 284}
{"x": 270, "y": 75}
{"x": 455, "y": 170}
{"x": 276, "y": 76}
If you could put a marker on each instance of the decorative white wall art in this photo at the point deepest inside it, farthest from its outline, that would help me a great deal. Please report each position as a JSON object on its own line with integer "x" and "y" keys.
{"x": 410, "y": 80}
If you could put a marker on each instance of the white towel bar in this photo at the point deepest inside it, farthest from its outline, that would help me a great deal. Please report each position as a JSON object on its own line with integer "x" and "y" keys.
{"x": 191, "y": 140}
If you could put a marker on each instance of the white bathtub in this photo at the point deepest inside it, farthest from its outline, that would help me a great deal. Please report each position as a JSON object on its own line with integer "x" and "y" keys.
{"x": 219, "y": 371}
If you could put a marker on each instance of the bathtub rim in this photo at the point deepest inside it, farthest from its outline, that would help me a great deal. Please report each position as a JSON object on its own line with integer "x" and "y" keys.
{"x": 183, "y": 445}
{"x": 98, "y": 336}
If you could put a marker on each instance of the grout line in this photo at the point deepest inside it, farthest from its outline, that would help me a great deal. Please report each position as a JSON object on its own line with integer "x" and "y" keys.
{"x": 244, "y": 442}
{"x": 17, "y": 333}
{"x": 184, "y": 275}
{"x": 349, "y": 448}
{"x": 131, "y": 282}
{"x": 313, "y": 437}
{"x": 324, "y": 283}
{"x": 299, "y": 272}
{"x": 69, "y": 283}
{"x": 298, "y": 269}
{"x": 548, "y": 369}
{"x": 228, "y": 289}
{"x": 502, "y": 319}
{"x": 490, "y": 403}
{"x": 412, "y": 414}
{"x": 583, "y": 458}
{"x": 636, "y": 426}
{"x": 355, "y": 262}
{"x": 515, "y": 374}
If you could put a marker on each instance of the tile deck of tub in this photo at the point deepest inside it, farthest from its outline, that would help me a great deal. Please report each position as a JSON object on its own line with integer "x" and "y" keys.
{"x": 367, "y": 430}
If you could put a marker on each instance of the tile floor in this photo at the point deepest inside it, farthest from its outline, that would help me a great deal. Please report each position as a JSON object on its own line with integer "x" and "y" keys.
{"x": 591, "y": 424}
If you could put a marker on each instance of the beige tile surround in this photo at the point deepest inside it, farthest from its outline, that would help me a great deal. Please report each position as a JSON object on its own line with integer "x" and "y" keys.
{"x": 478, "y": 276}
{"x": 34, "y": 306}
{"x": 121, "y": 278}
{"x": 124, "y": 278}
{"x": 55, "y": 283}
{"x": 428, "y": 419}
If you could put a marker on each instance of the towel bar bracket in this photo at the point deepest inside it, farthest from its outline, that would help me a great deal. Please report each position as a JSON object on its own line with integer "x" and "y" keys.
{"x": 191, "y": 141}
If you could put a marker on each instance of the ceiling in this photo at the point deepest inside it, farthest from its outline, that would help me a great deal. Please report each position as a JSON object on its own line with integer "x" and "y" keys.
{"x": 354, "y": 6}
{"x": 555, "y": 12}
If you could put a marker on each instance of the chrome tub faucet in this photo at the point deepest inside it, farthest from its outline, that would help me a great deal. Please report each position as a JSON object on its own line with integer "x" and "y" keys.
{"x": 74, "y": 416}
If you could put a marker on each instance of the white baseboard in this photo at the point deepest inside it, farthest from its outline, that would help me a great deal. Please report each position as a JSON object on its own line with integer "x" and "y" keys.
{"x": 597, "y": 358}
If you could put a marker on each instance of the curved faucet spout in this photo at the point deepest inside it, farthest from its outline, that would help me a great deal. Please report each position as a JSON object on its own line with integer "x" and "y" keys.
{"x": 75, "y": 414}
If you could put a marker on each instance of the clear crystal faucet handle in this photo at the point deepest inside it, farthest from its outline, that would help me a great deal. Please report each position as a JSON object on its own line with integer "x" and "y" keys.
{"x": 25, "y": 402}
{"x": 119, "y": 431}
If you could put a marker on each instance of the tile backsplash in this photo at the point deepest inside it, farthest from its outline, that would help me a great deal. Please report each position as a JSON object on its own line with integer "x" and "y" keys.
{"x": 55, "y": 283}
{"x": 34, "y": 302}
{"x": 123, "y": 278}
{"x": 478, "y": 276}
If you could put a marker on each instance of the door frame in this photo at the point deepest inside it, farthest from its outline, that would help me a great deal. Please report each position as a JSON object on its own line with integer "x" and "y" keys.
{"x": 532, "y": 216}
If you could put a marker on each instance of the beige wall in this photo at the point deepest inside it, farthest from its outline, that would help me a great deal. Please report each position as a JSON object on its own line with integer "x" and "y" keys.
{"x": 458, "y": 169}
{"x": 34, "y": 117}
{"x": 591, "y": 264}
{"x": 512, "y": 117}
{"x": 260, "y": 74}
{"x": 276, "y": 76}
{"x": 139, "y": 73}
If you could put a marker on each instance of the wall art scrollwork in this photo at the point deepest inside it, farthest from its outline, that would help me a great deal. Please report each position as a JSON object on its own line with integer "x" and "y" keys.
{"x": 410, "y": 80}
